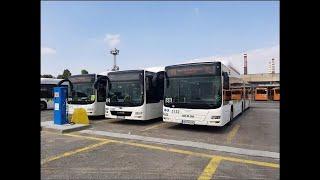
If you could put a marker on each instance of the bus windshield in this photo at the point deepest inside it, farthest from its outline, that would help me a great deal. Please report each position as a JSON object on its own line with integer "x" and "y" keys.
{"x": 125, "y": 89}
{"x": 84, "y": 93}
{"x": 125, "y": 93}
{"x": 193, "y": 92}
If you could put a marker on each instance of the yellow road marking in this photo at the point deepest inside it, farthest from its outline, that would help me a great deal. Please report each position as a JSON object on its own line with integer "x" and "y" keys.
{"x": 70, "y": 153}
{"x": 232, "y": 133}
{"x": 166, "y": 149}
{"x": 87, "y": 137}
{"x": 152, "y": 127}
{"x": 245, "y": 161}
{"x": 210, "y": 169}
{"x": 259, "y": 163}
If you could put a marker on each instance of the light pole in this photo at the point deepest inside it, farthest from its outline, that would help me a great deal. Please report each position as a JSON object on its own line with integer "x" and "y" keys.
{"x": 115, "y": 52}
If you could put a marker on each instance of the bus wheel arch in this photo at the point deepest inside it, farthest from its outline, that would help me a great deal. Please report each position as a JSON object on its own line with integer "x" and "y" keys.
{"x": 43, "y": 105}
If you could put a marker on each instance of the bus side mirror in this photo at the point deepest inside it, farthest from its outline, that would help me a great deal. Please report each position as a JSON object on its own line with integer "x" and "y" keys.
{"x": 225, "y": 80}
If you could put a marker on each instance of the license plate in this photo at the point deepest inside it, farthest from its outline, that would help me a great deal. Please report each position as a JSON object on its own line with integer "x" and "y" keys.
{"x": 188, "y": 122}
{"x": 120, "y": 117}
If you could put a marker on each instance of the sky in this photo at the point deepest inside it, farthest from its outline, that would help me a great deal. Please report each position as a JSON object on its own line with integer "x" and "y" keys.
{"x": 78, "y": 35}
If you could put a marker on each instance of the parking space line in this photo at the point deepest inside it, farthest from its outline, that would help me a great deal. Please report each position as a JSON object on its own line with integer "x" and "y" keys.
{"x": 210, "y": 169}
{"x": 232, "y": 159}
{"x": 232, "y": 133}
{"x": 166, "y": 149}
{"x": 154, "y": 126}
{"x": 245, "y": 161}
{"x": 70, "y": 153}
{"x": 87, "y": 137}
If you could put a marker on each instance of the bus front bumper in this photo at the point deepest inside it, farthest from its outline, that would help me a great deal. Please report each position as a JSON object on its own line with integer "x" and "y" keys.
{"x": 215, "y": 122}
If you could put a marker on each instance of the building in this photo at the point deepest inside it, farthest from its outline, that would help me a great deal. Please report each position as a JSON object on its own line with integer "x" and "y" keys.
{"x": 263, "y": 79}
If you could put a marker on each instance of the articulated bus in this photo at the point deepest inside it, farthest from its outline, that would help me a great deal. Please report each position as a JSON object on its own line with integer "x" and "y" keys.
{"x": 135, "y": 94}
{"x": 275, "y": 94}
{"x": 261, "y": 94}
{"x": 85, "y": 95}
{"x": 46, "y": 92}
{"x": 201, "y": 94}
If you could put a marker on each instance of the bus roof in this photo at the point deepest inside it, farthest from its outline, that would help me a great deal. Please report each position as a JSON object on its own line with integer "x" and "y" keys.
{"x": 50, "y": 81}
{"x": 151, "y": 69}
{"x": 104, "y": 73}
{"x": 155, "y": 69}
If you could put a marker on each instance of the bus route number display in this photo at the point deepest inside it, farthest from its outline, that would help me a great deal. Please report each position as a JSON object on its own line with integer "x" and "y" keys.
{"x": 82, "y": 79}
{"x": 193, "y": 70}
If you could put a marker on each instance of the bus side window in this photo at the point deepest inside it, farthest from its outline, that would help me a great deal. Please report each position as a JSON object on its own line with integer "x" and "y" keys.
{"x": 226, "y": 95}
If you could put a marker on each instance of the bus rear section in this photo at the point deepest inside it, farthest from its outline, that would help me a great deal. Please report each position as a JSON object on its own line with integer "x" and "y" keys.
{"x": 134, "y": 95}
{"x": 46, "y": 92}
{"x": 85, "y": 96}
{"x": 261, "y": 94}
{"x": 275, "y": 94}
{"x": 199, "y": 94}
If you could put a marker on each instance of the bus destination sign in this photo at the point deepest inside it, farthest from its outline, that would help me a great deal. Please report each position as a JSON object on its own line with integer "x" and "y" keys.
{"x": 194, "y": 70}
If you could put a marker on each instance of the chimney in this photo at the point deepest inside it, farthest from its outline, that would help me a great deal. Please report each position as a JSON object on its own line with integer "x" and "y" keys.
{"x": 245, "y": 66}
{"x": 273, "y": 68}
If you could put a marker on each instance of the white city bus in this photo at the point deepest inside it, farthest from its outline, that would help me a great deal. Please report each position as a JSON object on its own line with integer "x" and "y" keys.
{"x": 135, "y": 94}
{"x": 200, "y": 94}
{"x": 85, "y": 95}
{"x": 46, "y": 92}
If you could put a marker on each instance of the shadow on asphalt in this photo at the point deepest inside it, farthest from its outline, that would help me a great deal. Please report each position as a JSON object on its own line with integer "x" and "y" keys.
{"x": 137, "y": 122}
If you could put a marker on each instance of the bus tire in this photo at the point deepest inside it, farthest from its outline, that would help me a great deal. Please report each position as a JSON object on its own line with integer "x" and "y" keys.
{"x": 43, "y": 105}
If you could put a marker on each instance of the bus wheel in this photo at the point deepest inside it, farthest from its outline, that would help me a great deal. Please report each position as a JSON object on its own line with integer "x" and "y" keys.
{"x": 43, "y": 105}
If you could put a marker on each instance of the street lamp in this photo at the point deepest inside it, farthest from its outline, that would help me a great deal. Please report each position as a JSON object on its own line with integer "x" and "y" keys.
{"x": 115, "y": 52}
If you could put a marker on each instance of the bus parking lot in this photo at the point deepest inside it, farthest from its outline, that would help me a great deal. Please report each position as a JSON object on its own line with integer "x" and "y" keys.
{"x": 92, "y": 154}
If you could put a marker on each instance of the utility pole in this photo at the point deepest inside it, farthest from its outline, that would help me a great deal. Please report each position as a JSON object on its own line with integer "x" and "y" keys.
{"x": 115, "y": 52}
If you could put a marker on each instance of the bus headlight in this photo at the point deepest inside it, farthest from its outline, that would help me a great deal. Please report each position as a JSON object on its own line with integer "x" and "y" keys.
{"x": 138, "y": 113}
{"x": 215, "y": 117}
{"x": 165, "y": 114}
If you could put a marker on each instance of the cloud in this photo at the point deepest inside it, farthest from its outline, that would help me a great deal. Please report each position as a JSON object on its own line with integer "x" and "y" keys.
{"x": 258, "y": 59}
{"x": 112, "y": 40}
{"x": 47, "y": 51}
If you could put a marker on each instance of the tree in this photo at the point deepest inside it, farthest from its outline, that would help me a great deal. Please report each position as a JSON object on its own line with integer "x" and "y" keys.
{"x": 83, "y": 71}
{"x": 47, "y": 76}
{"x": 66, "y": 73}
